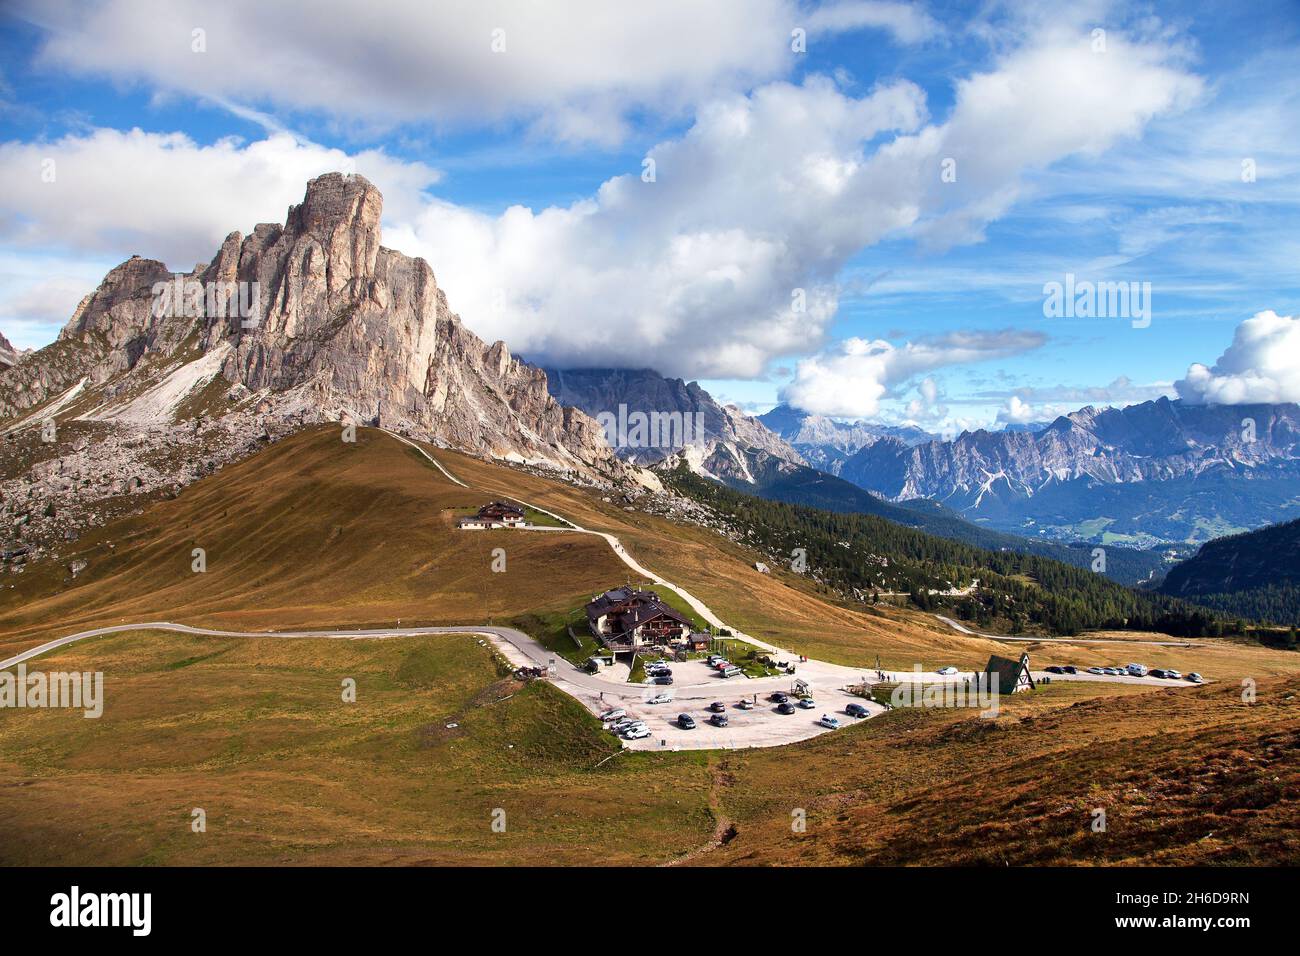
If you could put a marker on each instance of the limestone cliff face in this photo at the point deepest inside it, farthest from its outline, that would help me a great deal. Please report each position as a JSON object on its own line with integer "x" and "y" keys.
{"x": 339, "y": 327}
{"x": 729, "y": 444}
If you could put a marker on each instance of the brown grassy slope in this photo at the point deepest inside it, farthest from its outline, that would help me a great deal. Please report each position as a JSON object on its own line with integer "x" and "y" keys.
{"x": 784, "y": 608}
{"x": 254, "y": 732}
{"x": 316, "y": 532}
{"x": 310, "y": 532}
{"x": 795, "y": 613}
{"x": 1184, "y": 778}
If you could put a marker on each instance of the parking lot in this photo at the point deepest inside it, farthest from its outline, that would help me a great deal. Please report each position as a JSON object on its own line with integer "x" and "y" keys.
{"x": 697, "y": 685}
{"x": 762, "y": 726}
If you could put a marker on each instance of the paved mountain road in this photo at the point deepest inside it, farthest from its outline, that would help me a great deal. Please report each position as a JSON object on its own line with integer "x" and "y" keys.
{"x": 695, "y": 682}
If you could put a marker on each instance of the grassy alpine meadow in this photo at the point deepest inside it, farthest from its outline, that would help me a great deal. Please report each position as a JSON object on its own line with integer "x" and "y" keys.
{"x": 440, "y": 742}
{"x": 254, "y": 732}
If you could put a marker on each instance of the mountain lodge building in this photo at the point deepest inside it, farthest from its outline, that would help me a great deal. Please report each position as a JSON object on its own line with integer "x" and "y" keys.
{"x": 496, "y": 514}
{"x": 629, "y": 619}
{"x": 1010, "y": 677}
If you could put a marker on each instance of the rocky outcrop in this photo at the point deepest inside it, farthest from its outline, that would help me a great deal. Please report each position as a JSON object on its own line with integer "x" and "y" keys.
{"x": 9, "y": 356}
{"x": 716, "y": 440}
{"x": 826, "y": 443}
{"x": 317, "y": 319}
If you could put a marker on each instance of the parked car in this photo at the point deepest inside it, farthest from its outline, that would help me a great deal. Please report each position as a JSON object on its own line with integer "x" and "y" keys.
{"x": 719, "y": 720}
{"x": 777, "y": 697}
{"x": 686, "y": 721}
{"x": 637, "y": 733}
{"x": 1070, "y": 669}
{"x": 623, "y": 723}
{"x": 614, "y": 714}
{"x": 1173, "y": 674}
{"x": 1156, "y": 672}
{"x": 631, "y": 726}
{"x": 663, "y": 679}
{"x": 718, "y": 707}
{"x": 746, "y": 705}
{"x": 659, "y": 699}
{"x": 807, "y": 703}
{"x": 856, "y": 710}
{"x": 1111, "y": 671}
{"x": 1055, "y": 669}
{"x": 1095, "y": 670}
{"x": 829, "y": 721}
{"x": 785, "y": 708}
{"x": 731, "y": 670}
{"x": 946, "y": 671}
{"x": 1195, "y": 678}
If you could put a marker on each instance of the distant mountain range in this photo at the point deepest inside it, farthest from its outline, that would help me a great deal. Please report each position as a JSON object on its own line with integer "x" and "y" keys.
{"x": 826, "y": 443}
{"x": 1162, "y": 471}
{"x": 754, "y": 455}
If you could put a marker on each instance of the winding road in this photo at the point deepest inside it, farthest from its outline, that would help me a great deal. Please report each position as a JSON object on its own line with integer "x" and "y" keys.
{"x": 695, "y": 683}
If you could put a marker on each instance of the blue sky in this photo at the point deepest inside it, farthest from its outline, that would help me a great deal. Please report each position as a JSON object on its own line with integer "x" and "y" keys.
{"x": 517, "y": 172}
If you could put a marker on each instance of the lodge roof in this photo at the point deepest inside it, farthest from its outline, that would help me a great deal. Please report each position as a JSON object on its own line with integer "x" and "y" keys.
{"x": 1008, "y": 671}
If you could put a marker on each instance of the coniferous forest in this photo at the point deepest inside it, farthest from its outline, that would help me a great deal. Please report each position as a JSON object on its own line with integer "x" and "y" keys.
{"x": 871, "y": 557}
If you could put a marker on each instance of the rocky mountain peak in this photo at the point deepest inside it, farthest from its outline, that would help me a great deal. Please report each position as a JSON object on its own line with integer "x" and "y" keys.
{"x": 310, "y": 321}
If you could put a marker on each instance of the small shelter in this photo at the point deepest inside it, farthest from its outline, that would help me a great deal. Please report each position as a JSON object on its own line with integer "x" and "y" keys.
{"x": 1008, "y": 676}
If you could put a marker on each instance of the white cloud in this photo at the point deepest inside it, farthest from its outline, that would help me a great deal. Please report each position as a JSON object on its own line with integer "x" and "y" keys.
{"x": 38, "y": 293}
{"x": 928, "y": 405}
{"x": 908, "y": 23}
{"x": 850, "y": 380}
{"x": 1261, "y": 365}
{"x": 573, "y": 70}
{"x": 1018, "y": 412}
{"x": 694, "y": 273}
{"x": 164, "y": 196}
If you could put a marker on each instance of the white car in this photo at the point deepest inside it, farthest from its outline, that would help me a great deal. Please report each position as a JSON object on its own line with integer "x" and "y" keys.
{"x": 1174, "y": 675}
{"x": 614, "y": 714}
{"x": 829, "y": 721}
{"x": 1195, "y": 678}
{"x": 659, "y": 699}
{"x": 1137, "y": 670}
{"x": 637, "y": 733}
{"x": 946, "y": 671}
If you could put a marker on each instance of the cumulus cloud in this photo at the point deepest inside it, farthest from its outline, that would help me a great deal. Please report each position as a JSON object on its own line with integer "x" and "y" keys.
{"x": 1019, "y": 412}
{"x": 574, "y": 74}
{"x": 38, "y": 294}
{"x": 728, "y": 259}
{"x": 163, "y": 196}
{"x": 1261, "y": 365}
{"x": 928, "y": 405}
{"x": 850, "y": 380}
